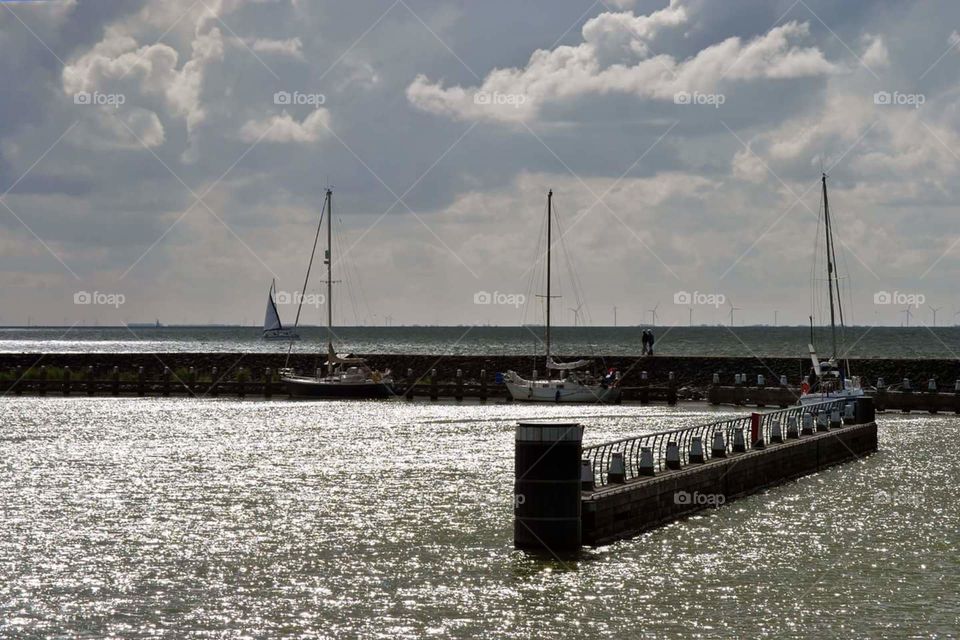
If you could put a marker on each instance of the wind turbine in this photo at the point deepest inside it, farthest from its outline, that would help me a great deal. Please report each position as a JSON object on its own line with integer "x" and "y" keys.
{"x": 653, "y": 314}
{"x": 690, "y": 309}
{"x": 906, "y": 310}
{"x": 732, "y": 309}
{"x": 614, "y": 315}
{"x": 934, "y": 310}
{"x": 576, "y": 313}
{"x": 775, "y": 314}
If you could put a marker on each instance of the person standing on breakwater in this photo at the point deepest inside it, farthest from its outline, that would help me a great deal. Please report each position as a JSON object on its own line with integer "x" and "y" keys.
{"x": 647, "y": 341}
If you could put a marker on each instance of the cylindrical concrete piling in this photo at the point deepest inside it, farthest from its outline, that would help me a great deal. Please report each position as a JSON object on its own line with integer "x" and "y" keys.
{"x": 66, "y": 381}
{"x": 115, "y": 381}
{"x": 617, "y": 473}
{"x": 141, "y": 382}
{"x": 587, "y": 481}
{"x": 823, "y": 421}
{"x": 850, "y": 413}
{"x": 776, "y": 433}
{"x": 458, "y": 392}
{"x": 646, "y": 467}
{"x": 761, "y": 381}
{"x": 719, "y": 447}
{"x": 696, "y": 451}
{"x": 783, "y": 380}
{"x": 673, "y": 456}
{"x": 808, "y": 424}
{"x": 483, "y": 384}
{"x": 835, "y": 422}
{"x": 547, "y": 485}
{"x": 644, "y": 388}
{"x": 166, "y": 382}
{"x": 214, "y": 379}
{"x": 434, "y": 392}
{"x": 793, "y": 432}
{"x": 241, "y": 383}
{"x": 739, "y": 444}
{"x": 91, "y": 381}
{"x": 672, "y": 389}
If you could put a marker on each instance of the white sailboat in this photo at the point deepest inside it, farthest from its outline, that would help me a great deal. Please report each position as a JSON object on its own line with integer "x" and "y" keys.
{"x": 345, "y": 376}
{"x": 829, "y": 379}
{"x": 273, "y": 329}
{"x": 570, "y": 385}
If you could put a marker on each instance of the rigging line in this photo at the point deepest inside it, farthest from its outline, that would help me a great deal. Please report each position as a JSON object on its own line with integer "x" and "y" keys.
{"x": 575, "y": 282}
{"x": 306, "y": 279}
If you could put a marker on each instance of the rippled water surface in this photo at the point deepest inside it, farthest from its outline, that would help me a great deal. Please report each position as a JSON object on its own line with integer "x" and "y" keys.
{"x": 203, "y": 518}
{"x": 861, "y": 342}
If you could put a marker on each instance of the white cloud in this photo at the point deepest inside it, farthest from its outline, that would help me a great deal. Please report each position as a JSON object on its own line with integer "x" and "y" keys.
{"x": 283, "y": 128}
{"x": 875, "y": 54}
{"x": 615, "y": 57}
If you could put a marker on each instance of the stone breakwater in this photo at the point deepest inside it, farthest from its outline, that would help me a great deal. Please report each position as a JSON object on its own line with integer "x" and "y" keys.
{"x": 690, "y": 371}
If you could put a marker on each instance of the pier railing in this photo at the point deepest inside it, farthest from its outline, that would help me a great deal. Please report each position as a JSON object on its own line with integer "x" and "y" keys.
{"x": 601, "y": 455}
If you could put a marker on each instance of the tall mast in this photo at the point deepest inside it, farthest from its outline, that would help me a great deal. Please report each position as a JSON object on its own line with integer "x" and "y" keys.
{"x": 329, "y": 262}
{"x": 549, "y": 240}
{"x": 830, "y": 268}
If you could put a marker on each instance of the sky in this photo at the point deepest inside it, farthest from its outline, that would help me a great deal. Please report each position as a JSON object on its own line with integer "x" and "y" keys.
{"x": 168, "y": 159}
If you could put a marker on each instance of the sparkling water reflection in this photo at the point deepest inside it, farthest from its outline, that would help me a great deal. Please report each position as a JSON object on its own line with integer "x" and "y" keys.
{"x": 223, "y": 518}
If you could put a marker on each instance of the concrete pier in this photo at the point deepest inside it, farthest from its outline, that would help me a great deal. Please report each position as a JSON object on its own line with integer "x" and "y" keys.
{"x": 632, "y": 485}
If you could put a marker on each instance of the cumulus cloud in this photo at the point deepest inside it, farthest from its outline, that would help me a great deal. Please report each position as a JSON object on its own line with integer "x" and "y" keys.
{"x": 284, "y": 128}
{"x": 615, "y": 58}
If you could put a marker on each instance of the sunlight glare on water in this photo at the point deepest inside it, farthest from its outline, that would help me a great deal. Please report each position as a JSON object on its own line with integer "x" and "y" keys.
{"x": 216, "y": 518}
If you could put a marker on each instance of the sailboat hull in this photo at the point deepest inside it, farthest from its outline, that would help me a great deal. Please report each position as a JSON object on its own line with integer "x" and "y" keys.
{"x": 560, "y": 391}
{"x": 304, "y": 387}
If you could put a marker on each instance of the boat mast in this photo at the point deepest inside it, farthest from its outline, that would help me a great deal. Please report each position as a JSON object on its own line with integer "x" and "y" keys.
{"x": 549, "y": 228}
{"x": 329, "y": 261}
{"x": 830, "y": 266}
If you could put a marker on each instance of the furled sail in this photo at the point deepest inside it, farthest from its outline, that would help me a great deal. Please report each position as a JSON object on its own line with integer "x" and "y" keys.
{"x": 271, "y": 320}
{"x": 566, "y": 366}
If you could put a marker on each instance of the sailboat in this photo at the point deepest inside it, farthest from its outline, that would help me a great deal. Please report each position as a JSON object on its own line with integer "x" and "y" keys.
{"x": 570, "y": 385}
{"x": 272, "y": 327}
{"x": 343, "y": 375}
{"x": 828, "y": 379}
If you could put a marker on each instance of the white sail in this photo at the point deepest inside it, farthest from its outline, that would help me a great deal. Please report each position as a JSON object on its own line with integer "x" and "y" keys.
{"x": 271, "y": 320}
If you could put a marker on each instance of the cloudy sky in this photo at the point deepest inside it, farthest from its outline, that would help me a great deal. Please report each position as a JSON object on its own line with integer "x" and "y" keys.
{"x": 173, "y": 155}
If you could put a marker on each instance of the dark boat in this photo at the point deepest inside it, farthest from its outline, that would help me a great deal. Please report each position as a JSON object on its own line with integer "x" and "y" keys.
{"x": 346, "y": 376}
